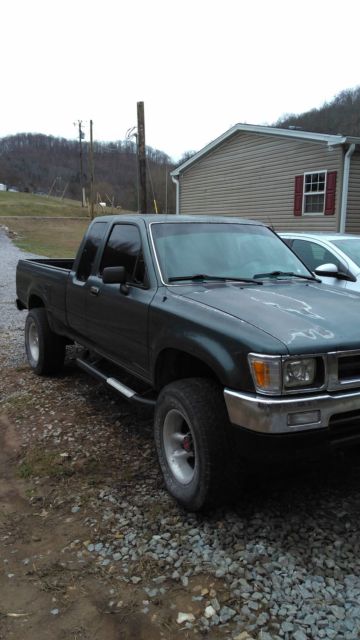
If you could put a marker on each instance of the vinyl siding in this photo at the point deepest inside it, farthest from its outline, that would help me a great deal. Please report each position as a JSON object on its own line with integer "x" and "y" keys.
{"x": 353, "y": 205}
{"x": 253, "y": 176}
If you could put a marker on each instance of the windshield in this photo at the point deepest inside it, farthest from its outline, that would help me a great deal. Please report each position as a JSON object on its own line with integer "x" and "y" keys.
{"x": 351, "y": 247}
{"x": 227, "y": 250}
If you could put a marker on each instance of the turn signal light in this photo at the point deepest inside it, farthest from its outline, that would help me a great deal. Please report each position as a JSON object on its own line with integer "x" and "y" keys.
{"x": 262, "y": 373}
{"x": 266, "y": 373}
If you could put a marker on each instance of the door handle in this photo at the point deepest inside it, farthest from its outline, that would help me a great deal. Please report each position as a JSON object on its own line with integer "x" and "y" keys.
{"x": 94, "y": 291}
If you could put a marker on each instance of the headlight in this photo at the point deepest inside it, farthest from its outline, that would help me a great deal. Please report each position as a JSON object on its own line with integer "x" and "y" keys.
{"x": 272, "y": 374}
{"x": 299, "y": 373}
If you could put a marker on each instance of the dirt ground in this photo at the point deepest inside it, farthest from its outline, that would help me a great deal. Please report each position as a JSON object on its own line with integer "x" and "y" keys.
{"x": 78, "y": 469}
{"x": 59, "y": 442}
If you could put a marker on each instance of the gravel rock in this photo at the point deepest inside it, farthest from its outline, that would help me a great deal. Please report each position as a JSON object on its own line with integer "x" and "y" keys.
{"x": 216, "y": 604}
{"x": 185, "y": 617}
{"x": 226, "y": 613}
{"x": 245, "y": 636}
{"x": 209, "y": 612}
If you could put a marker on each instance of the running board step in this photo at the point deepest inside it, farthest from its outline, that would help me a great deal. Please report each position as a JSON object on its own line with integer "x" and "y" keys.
{"x": 121, "y": 388}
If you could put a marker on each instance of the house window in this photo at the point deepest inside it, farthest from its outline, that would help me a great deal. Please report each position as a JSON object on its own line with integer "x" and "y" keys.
{"x": 314, "y": 192}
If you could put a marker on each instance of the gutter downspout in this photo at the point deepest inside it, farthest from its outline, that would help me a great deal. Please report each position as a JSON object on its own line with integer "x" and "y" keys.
{"x": 176, "y": 182}
{"x": 345, "y": 188}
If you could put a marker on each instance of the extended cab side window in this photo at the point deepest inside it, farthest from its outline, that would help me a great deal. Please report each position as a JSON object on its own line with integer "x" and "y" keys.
{"x": 89, "y": 251}
{"x": 123, "y": 249}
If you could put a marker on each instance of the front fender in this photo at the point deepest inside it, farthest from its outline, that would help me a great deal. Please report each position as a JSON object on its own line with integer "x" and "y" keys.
{"x": 208, "y": 351}
{"x": 219, "y": 340}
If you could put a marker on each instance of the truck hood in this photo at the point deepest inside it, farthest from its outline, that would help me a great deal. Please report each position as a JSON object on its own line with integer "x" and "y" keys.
{"x": 306, "y": 317}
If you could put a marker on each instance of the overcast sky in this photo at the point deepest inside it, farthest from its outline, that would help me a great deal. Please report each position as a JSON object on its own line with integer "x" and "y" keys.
{"x": 200, "y": 66}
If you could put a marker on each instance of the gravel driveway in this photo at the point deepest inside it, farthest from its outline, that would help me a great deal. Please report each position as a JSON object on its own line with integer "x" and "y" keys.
{"x": 281, "y": 561}
{"x": 11, "y": 320}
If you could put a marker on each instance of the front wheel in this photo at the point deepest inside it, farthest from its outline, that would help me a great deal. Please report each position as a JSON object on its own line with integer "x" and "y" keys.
{"x": 45, "y": 349}
{"x": 191, "y": 440}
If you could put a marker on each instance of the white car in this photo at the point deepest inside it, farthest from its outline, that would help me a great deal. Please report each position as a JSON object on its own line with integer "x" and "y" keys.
{"x": 334, "y": 257}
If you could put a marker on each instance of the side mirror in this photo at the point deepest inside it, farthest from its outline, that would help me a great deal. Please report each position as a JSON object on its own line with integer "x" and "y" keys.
{"x": 114, "y": 275}
{"x": 329, "y": 269}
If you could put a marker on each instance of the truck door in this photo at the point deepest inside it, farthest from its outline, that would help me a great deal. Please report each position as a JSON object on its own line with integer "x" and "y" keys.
{"x": 78, "y": 288}
{"x": 118, "y": 316}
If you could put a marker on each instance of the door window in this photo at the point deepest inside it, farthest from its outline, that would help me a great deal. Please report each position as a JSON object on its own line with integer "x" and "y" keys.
{"x": 89, "y": 251}
{"x": 313, "y": 254}
{"x": 123, "y": 249}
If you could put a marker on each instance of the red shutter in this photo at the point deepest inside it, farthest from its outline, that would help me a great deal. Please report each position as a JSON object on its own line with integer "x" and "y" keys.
{"x": 330, "y": 193}
{"x": 298, "y": 197}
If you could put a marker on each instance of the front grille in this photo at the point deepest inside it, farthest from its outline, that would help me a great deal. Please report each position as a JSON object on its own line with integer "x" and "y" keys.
{"x": 343, "y": 370}
{"x": 348, "y": 367}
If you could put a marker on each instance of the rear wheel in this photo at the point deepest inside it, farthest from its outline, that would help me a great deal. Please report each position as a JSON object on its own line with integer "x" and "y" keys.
{"x": 191, "y": 440}
{"x": 45, "y": 349}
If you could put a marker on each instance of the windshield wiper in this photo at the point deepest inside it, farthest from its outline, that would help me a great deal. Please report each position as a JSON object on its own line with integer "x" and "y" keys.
{"x": 201, "y": 277}
{"x": 292, "y": 274}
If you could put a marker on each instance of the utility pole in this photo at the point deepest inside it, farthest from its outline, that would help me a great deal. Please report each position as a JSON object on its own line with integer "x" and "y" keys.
{"x": 82, "y": 188}
{"x": 141, "y": 151}
{"x": 91, "y": 154}
{"x": 132, "y": 133}
{"x": 166, "y": 188}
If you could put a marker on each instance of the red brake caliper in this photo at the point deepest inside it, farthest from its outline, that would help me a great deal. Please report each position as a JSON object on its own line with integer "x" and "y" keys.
{"x": 187, "y": 443}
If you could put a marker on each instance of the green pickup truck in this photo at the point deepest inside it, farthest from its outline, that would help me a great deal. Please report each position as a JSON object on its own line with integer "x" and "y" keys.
{"x": 241, "y": 351}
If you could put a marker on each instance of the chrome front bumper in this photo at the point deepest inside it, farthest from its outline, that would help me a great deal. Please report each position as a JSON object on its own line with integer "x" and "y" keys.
{"x": 277, "y": 415}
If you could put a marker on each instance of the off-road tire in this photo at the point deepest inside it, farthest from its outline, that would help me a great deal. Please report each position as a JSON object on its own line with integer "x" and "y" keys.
{"x": 199, "y": 402}
{"x": 45, "y": 350}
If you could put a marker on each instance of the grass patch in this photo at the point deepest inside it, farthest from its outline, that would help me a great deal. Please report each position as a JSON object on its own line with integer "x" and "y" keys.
{"x": 52, "y": 238}
{"x": 28, "y": 204}
{"x": 45, "y": 225}
{"x": 146, "y": 567}
{"x": 40, "y": 463}
{"x": 17, "y": 401}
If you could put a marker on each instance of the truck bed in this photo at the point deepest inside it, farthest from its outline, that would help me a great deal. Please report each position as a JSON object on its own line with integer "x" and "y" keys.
{"x": 60, "y": 263}
{"x": 45, "y": 278}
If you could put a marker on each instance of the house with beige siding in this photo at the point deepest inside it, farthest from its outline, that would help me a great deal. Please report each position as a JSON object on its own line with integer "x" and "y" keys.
{"x": 290, "y": 179}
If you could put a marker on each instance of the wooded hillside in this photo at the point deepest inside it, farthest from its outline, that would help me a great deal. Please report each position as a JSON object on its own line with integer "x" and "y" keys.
{"x": 38, "y": 163}
{"x": 340, "y": 115}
